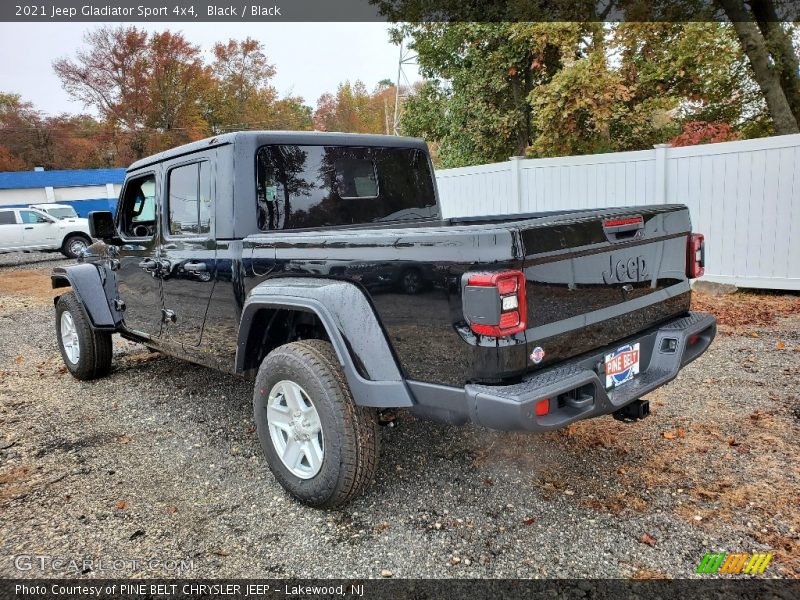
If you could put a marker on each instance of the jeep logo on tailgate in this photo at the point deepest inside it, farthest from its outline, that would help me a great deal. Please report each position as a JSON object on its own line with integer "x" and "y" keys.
{"x": 621, "y": 270}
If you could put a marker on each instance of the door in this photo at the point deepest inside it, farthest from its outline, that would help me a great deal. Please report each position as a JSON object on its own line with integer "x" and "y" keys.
{"x": 10, "y": 231}
{"x": 38, "y": 230}
{"x": 138, "y": 276}
{"x": 188, "y": 251}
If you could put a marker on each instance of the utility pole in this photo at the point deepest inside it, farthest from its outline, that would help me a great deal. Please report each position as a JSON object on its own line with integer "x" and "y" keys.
{"x": 406, "y": 58}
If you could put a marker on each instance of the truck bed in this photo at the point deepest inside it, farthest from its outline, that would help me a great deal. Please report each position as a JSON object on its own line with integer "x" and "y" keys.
{"x": 571, "y": 308}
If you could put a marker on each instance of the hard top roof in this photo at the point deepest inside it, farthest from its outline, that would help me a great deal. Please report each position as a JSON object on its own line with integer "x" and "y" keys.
{"x": 261, "y": 138}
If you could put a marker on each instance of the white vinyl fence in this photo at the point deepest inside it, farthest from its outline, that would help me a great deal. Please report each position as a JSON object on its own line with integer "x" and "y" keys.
{"x": 744, "y": 196}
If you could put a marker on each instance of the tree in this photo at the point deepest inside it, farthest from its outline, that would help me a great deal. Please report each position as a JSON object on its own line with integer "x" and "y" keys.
{"x": 773, "y": 58}
{"x": 29, "y": 139}
{"x": 353, "y": 109}
{"x": 111, "y": 75}
{"x": 543, "y": 89}
{"x": 241, "y": 94}
{"x": 147, "y": 86}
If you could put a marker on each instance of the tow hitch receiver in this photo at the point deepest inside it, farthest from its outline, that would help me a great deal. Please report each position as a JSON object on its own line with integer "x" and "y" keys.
{"x": 635, "y": 411}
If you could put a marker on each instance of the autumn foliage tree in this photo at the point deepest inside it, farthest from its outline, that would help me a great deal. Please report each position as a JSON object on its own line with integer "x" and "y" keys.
{"x": 356, "y": 110}
{"x": 28, "y": 138}
{"x": 155, "y": 91}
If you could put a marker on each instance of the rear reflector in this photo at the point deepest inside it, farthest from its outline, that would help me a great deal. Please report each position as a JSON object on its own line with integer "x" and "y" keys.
{"x": 695, "y": 255}
{"x": 510, "y": 287}
{"x": 542, "y": 407}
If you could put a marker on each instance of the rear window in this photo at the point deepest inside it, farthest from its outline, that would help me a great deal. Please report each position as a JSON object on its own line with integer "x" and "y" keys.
{"x": 7, "y": 217}
{"x": 318, "y": 186}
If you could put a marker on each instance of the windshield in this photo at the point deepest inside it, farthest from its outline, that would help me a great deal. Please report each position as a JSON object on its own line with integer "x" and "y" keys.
{"x": 62, "y": 213}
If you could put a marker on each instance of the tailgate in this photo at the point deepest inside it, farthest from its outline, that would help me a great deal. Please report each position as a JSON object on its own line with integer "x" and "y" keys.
{"x": 598, "y": 277}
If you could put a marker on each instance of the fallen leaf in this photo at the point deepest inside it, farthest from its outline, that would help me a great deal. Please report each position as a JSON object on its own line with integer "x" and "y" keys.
{"x": 732, "y": 441}
{"x": 122, "y": 505}
{"x": 220, "y": 552}
{"x": 172, "y": 509}
{"x": 755, "y": 416}
{"x": 381, "y": 526}
{"x": 386, "y": 573}
{"x": 669, "y": 435}
{"x": 19, "y": 360}
{"x": 781, "y": 345}
{"x": 251, "y": 429}
{"x": 796, "y": 349}
{"x": 123, "y": 439}
{"x": 646, "y": 539}
{"x": 529, "y": 521}
{"x": 754, "y": 334}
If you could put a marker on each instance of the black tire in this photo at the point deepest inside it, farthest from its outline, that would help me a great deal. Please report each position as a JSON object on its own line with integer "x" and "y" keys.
{"x": 74, "y": 244}
{"x": 350, "y": 431}
{"x": 95, "y": 350}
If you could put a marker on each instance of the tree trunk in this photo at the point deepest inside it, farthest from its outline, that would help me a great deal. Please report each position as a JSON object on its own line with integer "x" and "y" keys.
{"x": 768, "y": 79}
{"x": 779, "y": 43}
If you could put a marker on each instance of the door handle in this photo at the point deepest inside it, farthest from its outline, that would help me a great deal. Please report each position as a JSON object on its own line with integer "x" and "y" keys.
{"x": 31, "y": 227}
{"x": 195, "y": 267}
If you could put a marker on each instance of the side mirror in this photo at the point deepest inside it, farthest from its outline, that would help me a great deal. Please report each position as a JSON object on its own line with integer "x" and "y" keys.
{"x": 101, "y": 226}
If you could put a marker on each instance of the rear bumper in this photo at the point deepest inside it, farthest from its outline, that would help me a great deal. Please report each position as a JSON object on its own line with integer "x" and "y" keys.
{"x": 664, "y": 350}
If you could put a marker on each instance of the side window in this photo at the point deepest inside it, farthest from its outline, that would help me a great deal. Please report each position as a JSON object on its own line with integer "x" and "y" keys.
{"x": 7, "y": 218}
{"x": 190, "y": 200}
{"x": 138, "y": 208}
{"x": 28, "y": 217}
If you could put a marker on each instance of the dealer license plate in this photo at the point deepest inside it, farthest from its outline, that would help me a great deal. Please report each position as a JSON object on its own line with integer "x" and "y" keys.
{"x": 622, "y": 365}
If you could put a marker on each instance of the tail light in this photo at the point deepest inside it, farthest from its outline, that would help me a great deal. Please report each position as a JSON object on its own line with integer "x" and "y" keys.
{"x": 695, "y": 255}
{"x": 494, "y": 303}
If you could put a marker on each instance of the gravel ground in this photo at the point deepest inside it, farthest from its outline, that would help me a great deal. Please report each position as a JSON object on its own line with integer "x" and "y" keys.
{"x": 159, "y": 463}
{"x": 18, "y": 261}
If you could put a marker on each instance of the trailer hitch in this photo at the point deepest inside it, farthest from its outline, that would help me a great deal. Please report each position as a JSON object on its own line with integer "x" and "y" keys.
{"x": 635, "y": 411}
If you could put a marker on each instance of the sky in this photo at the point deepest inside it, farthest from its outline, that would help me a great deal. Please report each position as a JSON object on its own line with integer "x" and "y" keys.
{"x": 310, "y": 58}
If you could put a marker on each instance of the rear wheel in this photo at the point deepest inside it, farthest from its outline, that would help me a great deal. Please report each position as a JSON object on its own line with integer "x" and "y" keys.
{"x": 86, "y": 352}
{"x": 74, "y": 245}
{"x": 320, "y": 445}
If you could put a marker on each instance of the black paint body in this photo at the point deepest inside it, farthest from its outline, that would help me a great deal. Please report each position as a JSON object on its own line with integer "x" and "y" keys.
{"x": 585, "y": 289}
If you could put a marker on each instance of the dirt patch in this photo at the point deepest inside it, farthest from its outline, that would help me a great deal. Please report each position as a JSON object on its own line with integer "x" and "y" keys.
{"x": 13, "y": 482}
{"x": 748, "y": 308}
{"x": 34, "y": 285}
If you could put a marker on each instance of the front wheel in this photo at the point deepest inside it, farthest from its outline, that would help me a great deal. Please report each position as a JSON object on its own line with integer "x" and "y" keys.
{"x": 320, "y": 445}
{"x": 87, "y": 353}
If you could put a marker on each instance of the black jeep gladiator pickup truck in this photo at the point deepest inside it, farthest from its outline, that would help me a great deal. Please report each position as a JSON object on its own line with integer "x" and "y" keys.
{"x": 319, "y": 265}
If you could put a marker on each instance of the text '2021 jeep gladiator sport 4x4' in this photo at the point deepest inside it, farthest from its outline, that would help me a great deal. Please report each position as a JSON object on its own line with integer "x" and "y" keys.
{"x": 319, "y": 265}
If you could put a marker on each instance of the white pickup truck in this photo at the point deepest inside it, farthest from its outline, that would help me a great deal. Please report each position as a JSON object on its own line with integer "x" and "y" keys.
{"x": 26, "y": 229}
